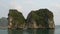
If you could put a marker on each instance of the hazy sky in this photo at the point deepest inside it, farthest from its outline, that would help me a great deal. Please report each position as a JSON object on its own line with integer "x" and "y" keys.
{"x": 25, "y": 6}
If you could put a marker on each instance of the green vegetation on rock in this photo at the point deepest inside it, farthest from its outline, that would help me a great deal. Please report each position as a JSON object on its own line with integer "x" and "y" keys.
{"x": 41, "y": 17}
{"x": 17, "y": 18}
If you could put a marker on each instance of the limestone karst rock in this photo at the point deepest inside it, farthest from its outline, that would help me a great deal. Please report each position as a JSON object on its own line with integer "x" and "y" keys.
{"x": 42, "y": 18}
{"x": 16, "y": 19}
{"x": 3, "y": 23}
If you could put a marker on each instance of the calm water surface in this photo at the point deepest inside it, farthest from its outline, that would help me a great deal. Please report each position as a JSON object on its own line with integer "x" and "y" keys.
{"x": 31, "y": 31}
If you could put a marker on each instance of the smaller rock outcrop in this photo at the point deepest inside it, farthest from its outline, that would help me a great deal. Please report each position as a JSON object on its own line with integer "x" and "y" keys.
{"x": 42, "y": 18}
{"x": 3, "y": 23}
{"x": 15, "y": 19}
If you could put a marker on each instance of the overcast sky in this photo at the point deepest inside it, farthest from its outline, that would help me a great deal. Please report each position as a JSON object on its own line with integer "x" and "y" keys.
{"x": 25, "y": 6}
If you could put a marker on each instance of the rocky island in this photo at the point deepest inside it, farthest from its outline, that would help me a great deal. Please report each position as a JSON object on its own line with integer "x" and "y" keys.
{"x": 42, "y": 18}
{"x": 3, "y": 23}
{"x": 15, "y": 19}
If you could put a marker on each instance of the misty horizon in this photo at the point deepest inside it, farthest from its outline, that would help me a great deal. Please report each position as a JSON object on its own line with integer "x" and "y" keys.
{"x": 25, "y": 6}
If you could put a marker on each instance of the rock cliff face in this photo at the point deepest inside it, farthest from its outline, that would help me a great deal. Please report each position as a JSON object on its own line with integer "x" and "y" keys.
{"x": 16, "y": 19}
{"x": 42, "y": 18}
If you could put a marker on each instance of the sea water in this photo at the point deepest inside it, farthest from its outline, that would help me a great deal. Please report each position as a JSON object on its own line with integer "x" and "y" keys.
{"x": 31, "y": 31}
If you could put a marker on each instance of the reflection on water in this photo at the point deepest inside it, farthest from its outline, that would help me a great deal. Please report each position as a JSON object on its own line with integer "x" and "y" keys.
{"x": 31, "y": 31}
